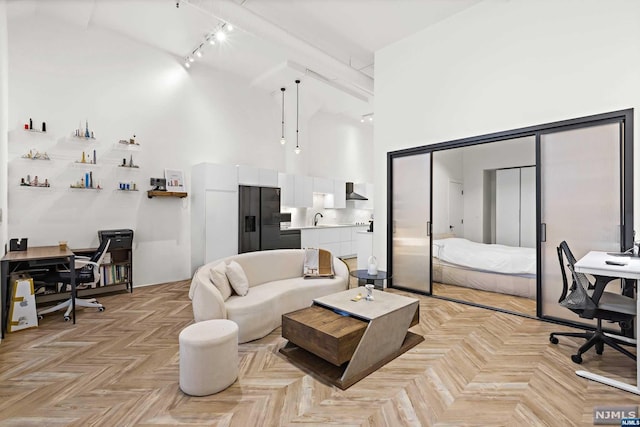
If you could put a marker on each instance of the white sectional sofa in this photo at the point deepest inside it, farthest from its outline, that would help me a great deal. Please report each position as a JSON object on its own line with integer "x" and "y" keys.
{"x": 276, "y": 287}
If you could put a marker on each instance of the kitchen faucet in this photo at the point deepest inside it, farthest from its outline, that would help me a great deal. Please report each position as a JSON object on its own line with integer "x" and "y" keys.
{"x": 315, "y": 219}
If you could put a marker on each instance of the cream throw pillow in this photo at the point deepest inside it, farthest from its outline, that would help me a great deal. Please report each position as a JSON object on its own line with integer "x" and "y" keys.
{"x": 219, "y": 278}
{"x": 237, "y": 278}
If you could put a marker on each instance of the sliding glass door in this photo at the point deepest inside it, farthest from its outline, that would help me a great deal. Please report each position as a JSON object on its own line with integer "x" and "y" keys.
{"x": 580, "y": 201}
{"x": 411, "y": 225}
{"x": 528, "y": 189}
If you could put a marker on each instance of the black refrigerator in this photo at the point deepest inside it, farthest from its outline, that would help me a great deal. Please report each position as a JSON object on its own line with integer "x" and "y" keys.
{"x": 259, "y": 222}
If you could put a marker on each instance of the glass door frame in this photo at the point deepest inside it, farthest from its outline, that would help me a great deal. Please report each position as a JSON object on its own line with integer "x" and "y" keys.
{"x": 390, "y": 222}
{"x": 625, "y": 117}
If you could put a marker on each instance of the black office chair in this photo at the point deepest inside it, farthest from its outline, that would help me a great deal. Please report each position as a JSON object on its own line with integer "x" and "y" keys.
{"x": 87, "y": 274}
{"x": 591, "y": 301}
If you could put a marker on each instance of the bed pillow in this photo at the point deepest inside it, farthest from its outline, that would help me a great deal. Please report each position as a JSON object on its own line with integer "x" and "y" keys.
{"x": 237, "y": 278}
{"x": 219, "y": 278}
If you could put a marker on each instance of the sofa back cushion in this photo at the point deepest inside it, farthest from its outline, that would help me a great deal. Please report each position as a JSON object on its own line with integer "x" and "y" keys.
{"x": 219, "y": 279}
{"x": 237, "y": 278}
{"x": 268, "y": 266}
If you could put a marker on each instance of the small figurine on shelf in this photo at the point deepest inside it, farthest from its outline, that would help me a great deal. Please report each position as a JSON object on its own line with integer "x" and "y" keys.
{"x": 35, "y": 183}
{"x": 84, "y": 133}
{"x": 132, "y": 140}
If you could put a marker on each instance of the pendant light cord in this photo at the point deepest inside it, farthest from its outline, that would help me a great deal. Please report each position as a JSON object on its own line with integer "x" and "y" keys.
{"x": 297, "y": 111}
{"x": 282, "y": 89}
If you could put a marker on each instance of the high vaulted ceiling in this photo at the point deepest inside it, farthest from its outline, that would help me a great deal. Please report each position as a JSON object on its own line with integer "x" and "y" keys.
{"x": 329, "y": 44}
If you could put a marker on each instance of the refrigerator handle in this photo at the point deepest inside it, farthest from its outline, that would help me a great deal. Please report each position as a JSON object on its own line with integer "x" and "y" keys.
{"x": 249, "y": 223}
{"x": 428, "y": 228}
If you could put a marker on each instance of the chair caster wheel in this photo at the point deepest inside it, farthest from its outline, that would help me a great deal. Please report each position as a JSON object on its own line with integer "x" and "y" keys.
{"x": 553, "y": 340}
{"x": 40, "y": 317}
{"x": 101, "y": 308}
{"x": 67, "y": 318}
{"x": 576, "y": 358}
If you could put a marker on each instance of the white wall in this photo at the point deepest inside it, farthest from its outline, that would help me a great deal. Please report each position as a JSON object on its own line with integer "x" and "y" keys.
{"x": 4, "y": 103}
{"x": 504, "y": 65}
{"x": 63, "y": 74}
{"x": 347, "y": 142}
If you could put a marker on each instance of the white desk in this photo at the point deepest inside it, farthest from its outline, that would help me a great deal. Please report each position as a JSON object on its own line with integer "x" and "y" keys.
{"x": 594, "y": 263}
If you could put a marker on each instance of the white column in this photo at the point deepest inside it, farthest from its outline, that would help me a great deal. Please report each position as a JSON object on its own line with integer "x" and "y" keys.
{"x": 4, "y": 121}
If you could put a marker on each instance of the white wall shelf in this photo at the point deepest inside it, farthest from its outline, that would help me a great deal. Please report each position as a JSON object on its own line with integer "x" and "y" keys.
{"x": 34, "y": 188}
{"x": 85, "y": 188}
{"x": 80, "y": 165}
{"x": 126, "y": 147}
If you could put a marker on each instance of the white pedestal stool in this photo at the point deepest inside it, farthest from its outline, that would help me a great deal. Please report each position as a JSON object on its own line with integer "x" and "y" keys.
{"x": 208, "y": 356}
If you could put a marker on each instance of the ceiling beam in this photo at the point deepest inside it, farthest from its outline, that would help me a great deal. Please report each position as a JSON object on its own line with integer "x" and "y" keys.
{"x": 325, "y": 65}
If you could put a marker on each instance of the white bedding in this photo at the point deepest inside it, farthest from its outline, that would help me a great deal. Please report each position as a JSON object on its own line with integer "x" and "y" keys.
{"x": 485, "y": 257}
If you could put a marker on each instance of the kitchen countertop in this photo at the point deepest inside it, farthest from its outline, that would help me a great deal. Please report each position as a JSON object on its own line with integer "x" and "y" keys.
{"x": 321, "y": 226}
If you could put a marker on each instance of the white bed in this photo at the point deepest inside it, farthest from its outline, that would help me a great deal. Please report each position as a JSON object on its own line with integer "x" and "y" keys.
{"x": 495, "y": 268}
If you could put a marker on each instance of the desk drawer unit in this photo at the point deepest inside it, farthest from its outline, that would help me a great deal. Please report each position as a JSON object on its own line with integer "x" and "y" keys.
{"x": 324, "y": 333}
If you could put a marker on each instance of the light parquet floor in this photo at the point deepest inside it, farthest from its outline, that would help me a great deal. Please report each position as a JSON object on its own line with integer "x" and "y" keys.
{"x": 492, "y": 299}
{"x": 120, "y": 367}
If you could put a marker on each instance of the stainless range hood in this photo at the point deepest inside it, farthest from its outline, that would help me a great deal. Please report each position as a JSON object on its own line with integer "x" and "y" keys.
{"x": 352, "y": 195}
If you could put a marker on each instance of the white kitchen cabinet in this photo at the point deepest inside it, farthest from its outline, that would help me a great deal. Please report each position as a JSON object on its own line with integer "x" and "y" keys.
{"x": 214, "y": 212}
{"x": 322, "y": 185}
{"x": 249, "y": 175}
{"x": 309, "y": 238}
{"x": 339, "y": 194}
{"x": 341, "y": 241}
{"x": 346, "y": 249}
{"x": 297, "y": 191}
{"x": 268, "y": 177}
{"x": 329, "y": 235}
{"x": 287, "y": 189}
{"x": 303, "y": 191}
{"x": 337, "y": 198}
{"x": 365, "y": 249}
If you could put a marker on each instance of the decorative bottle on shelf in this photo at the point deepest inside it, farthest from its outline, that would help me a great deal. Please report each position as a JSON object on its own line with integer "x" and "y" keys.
{"x": 86, "y": 130}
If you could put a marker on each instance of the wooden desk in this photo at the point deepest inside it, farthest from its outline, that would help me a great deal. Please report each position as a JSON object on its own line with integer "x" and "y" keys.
{"x": 32, "y": 258}
{"x": 595, "y": 263}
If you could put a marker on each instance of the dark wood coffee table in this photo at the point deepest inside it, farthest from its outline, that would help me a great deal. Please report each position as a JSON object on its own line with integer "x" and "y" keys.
{"x": 342, "y": 341}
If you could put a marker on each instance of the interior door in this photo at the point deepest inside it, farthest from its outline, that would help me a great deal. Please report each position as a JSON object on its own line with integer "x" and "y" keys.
{"x": 580, "y": 180}
{"x": 456, "y": 209}
{"x": 411, "y": 226}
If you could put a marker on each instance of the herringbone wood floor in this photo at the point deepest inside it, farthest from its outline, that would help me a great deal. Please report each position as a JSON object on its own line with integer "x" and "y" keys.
{"x": 120, "y": 368}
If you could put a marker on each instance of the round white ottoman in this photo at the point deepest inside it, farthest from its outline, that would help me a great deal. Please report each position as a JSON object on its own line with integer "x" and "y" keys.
{"x": 208, "y": 356}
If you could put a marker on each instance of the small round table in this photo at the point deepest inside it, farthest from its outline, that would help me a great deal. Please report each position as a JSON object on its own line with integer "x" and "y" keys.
{"x": 377, "y": 280}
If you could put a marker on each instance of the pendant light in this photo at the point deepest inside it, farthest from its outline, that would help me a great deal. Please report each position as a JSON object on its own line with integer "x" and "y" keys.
{"x": 297, "y": 150}
{"x": 282, "y": 140}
